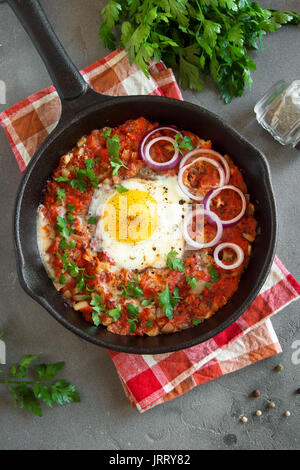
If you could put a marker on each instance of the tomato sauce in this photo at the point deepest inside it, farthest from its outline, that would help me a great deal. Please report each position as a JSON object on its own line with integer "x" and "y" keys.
{"x": 91, "y": 281}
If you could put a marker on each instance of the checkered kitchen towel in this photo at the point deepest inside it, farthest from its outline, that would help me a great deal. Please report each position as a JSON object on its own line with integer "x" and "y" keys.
{"x": 151, "y": 380}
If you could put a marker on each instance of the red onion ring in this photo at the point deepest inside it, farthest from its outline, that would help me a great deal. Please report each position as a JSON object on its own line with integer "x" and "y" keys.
{"x": 207, "y": 152}
{"x": 184, "y": 168}
{"x": 215, "y": 192}
{"x": 157, "y": 129}
{"x": 238, "y": 250}
{"x": 203, "y": 212}
{"x": 163, "y": 165}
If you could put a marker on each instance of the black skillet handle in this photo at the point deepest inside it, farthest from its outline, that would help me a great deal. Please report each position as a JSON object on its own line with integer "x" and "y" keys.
{"x": 67, "y": 80}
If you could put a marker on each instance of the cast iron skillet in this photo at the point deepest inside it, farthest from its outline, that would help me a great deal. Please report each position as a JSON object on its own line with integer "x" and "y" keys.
{"x": 84, "y": 110}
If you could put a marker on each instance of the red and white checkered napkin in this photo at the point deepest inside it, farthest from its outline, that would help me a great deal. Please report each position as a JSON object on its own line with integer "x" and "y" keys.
{"x": 150, "y": 380}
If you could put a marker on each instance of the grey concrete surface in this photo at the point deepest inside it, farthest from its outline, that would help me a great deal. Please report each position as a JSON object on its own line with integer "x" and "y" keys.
{"x": 207, "y": 417}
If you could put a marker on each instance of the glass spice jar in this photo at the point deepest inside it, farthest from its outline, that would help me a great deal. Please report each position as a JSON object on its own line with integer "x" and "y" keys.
{"x": 278, "y": 112}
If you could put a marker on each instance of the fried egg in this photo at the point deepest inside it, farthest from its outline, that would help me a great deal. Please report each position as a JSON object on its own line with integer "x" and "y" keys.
{"x": 140, "y": 224}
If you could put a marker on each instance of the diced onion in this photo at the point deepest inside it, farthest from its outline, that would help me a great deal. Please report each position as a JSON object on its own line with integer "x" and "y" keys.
{"x": 208, "y": 152}
{"x": 215, "y": 192}
{"x": 237, "y": 249}
{"x": 182, "y": 186}
{"x": 203, "y": 212}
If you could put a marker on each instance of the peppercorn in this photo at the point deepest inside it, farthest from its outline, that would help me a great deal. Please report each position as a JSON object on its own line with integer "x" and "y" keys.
{"x": 287, "y": 414}
{"x": 279, "y": 368}
{"x": 256, "y": 393}
{"x": 298, "y": 391}
{"x": 271, "y": 405}
{"x": 244, "y": 419}
{"x": 258, "y": 413}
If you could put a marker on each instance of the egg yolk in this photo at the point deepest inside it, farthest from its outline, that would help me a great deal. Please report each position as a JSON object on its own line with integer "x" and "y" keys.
{"x": 131, "y": 216}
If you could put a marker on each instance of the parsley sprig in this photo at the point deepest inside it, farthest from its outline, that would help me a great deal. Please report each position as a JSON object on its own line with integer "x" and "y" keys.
{"x": 30, "y": 394}
{"x": 132, "y": 289}
{"x": 173, "y": 262}
{"x": 186, "y": 143}
{"x": 199, "y": 37}
{"x": 133, "y": 313}
{"x": 168, "y": 301}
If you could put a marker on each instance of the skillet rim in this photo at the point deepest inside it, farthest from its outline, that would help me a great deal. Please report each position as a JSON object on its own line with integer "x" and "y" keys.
{"x": 66, "y": 121}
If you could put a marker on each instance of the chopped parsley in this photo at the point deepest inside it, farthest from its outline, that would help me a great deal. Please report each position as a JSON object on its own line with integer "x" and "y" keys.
{"x": 121, "y": 189}
{"x": 132, "y": 289}
{"x": 133, "y": 313}
{"x": 70, "y": 218}
{"x": 197, "y": 322}
{"x": 62, "y": 279}
{"x": 62, "y": 179}
{"x": 208, "y": 285}
{"x": 61, "y": 227}
{"x": 106, "y": 133}
{"x": 168, "y": 301}
{"x": 96, "y": 303}
{"x": 113, "y": 144}
{"x": 147, "y": 302}
{"x": 92, "y": 220}
{"x": 115, "y": 313}
{"x": 80, "y": 183}
{"x": 191, "y": 281}
{"x": 71, "y": 207}
{"x": 173, "y": 262}
{"x": 116, "y": 164}
{"x": 61, "y": 193}
{"x": 63, "y": 245}
{"x": 90, "y": 163}
{"x": 214, "y": 275}
{"x": 149, "y": 323}
{"x": 186, "y": 143}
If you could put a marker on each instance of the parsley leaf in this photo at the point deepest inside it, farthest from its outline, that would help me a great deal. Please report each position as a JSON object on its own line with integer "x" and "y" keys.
{"x": 115, "y": 313}
{"x": 116, "y": 164}
{"x": 113, "y": 144}
{"x": 132, "y": 289}
{"x": 61, "y": 227}
{"x": 92, "y": 220}
{"x": 30, "y": 394}
{"x": 121, "y": 189}
{"x": 213, "y": 273}
{"x": 168, "y": 301}
{"x": 61, "y": 179}
{"x": 191, "y": 281}
{"x": 186, "y": 143}
{"x": 173, "y": 262}
{"x": 133, "y": 313}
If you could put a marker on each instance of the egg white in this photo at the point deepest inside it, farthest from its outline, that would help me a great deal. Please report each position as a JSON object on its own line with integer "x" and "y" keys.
{"x": 171, "y": 207}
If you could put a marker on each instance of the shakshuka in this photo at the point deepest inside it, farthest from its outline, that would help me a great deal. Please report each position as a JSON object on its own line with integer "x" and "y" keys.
{"x": 145, "y": 229}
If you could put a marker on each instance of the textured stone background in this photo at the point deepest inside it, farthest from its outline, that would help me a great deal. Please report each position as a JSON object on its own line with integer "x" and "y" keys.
{"x": 208, "y": 417}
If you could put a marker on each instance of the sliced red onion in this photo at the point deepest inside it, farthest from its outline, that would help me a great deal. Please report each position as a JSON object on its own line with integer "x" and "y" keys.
{"x": 185, "y": 190}
{"x": 212, "y": 194}
{"x": 157, "y": 129}
{"x": 238, "y": 250}
{"x": 160, "y": 165}
{"x": 201, "y": 212}
{"x": 208, "y": 152}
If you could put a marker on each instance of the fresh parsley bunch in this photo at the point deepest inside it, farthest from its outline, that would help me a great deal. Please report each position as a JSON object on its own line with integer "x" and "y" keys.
{"x": 30, "y": 394}
{"x": 198, "y": 37}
